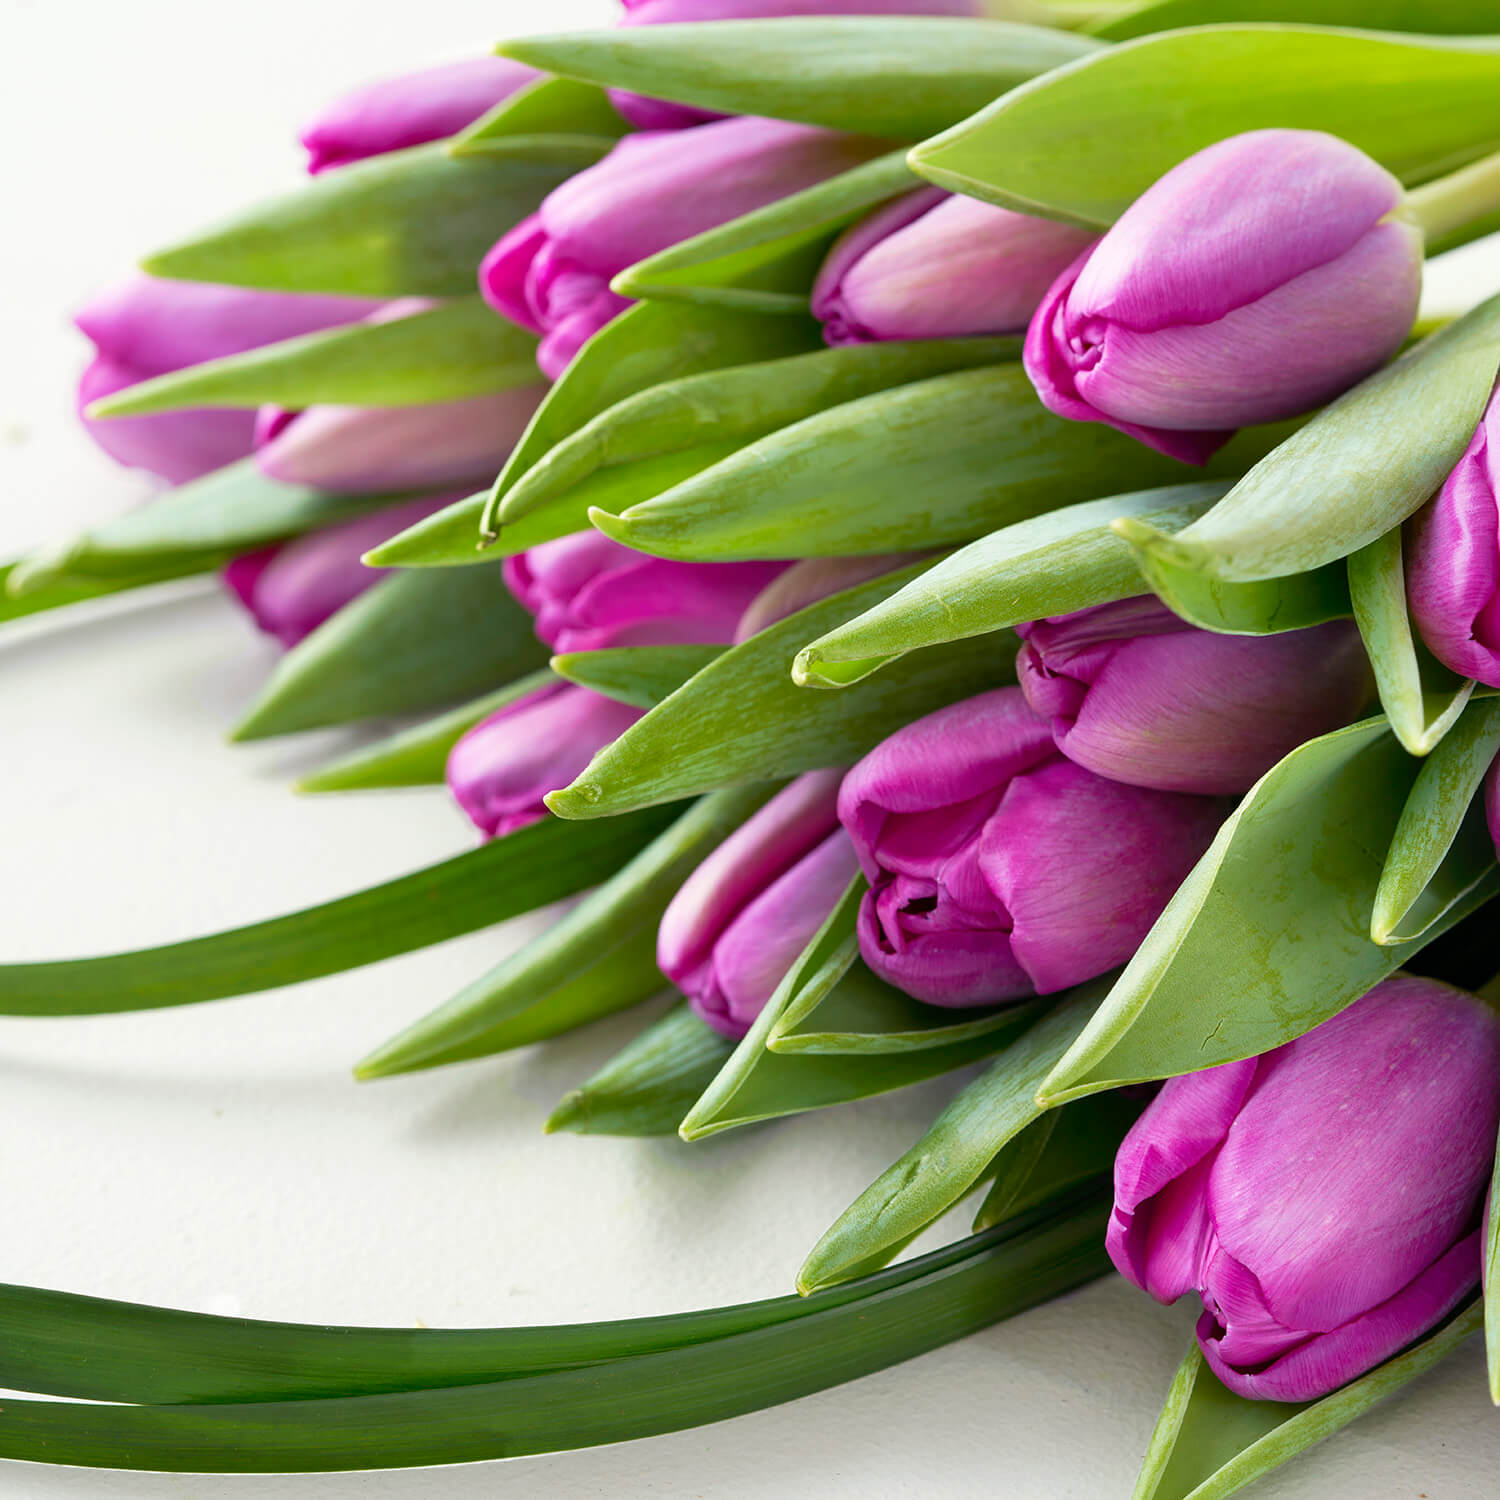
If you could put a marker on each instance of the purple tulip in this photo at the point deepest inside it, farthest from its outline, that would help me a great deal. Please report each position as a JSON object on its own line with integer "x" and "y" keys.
{"x": 1453, "y": 561}
{"x": 743, "y": 916}
{"x": 1324, "y": 1198}
{"x": 933, "y": 266}
{"x": 1492, "y": 803}
{"x": 1136, "y": 694}
{"x": 551, "y": 273}
{"x": 503, "y": 767}
{"x": 810, "y": 581}
{"x": 291, "y": 588}
{"x": 148, "y": 326}
{"x": 410, "y": 110}
{"x": 1255, "y": 280}
{"x": 998, "y": 868}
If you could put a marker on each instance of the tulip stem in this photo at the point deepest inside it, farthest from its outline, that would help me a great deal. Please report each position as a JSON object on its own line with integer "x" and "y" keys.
{"x": 1460, "y": 207}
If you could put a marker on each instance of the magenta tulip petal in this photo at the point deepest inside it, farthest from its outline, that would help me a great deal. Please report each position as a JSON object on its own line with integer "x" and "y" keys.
{"x": 505, "y": 269}
{"x": 1492, "y": 803}
{"x": 810, "y": 581}
{"x": 560, "y": 344}
{"x": 646, "y": 113}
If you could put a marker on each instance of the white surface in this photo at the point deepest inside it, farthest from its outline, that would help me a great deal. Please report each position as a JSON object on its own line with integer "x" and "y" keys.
{"x": 219, "y": 1157}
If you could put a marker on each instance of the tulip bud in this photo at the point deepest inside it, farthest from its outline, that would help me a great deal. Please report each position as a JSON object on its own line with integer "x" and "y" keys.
{"x": 1136, "y": 694}
{"x": 1492, "y": 803}
{"x": 1453, "y": 561}
{"x": 810, "y": 581}
{"x": 1255, "y": 280}
{"x": 503, "y": 767}
{"x": 291, "y": 588}
{"x": 551, "y": 273}
{"x": 998, "y": 868}
{"x": 743, "y": 916}
{"x": 410, "y": 110}
{"x": 148, "y": 326}
{"x": 934, "y": 266}
{"x": 1324, "y": 1198}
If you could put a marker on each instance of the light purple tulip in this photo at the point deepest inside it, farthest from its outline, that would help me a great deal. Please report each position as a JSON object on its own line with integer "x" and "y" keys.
{"x": 503, "y": 767}
{"x": 998, "y": 868}
{"x": 1453, "y": 560}
{"x": 551, "y": 273}
{"x": 1255, "y": 280}
{"x": 743, "y": 916}
{"x": 1323, "y": 1198}
{"x": 932, "y": 266}
{"x": 292, "y": 588}
{"x": 588, "y": 593}
{"x": 410, "y": 110}
{"x": 1138, "y": 695}
{"x": 147, "y": 326}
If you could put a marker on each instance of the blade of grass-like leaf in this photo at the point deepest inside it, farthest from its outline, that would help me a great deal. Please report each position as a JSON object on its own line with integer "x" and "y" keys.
{"x": 61, "y": 591}
{"x": 550, "y": 106}
{"x": 1432, "y": 17}
{"x": 527, "y": 869}
{"x": 642, "y": 675}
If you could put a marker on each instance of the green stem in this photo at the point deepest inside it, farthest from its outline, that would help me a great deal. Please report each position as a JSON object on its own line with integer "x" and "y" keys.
{"x": 1460, "y": 207}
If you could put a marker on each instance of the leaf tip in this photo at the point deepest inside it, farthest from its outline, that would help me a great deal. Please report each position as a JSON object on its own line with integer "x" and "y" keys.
{"x": 616, "y": 528}
{"x": 569, "y": 1115}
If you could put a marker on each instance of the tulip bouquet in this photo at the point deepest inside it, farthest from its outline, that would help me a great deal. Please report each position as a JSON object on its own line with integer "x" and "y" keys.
{"x": 986, "y": 572}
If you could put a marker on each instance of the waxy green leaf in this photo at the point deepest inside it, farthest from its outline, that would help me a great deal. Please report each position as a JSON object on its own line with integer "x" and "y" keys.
{"x": 60, "y": 590}
{"x": 743, "y": 719}
{"x": 409, "y": 223}
{"x": 527, "y": 869}
{"x": 640, "y": 675}
{"x": 1433, "y": 17}
{"x": 1442, "y": 846}
{"x": 599, "y": 958}
{"x": 1270, "y": 933}
{"x": 897, "y": 76}
{"x": 1083, "y": 142}
{"x": 412, "y": 642}
{"x": 548, "y": 107}
{"x": 445, "y": 353}
{"x": 1210, "y": 1443}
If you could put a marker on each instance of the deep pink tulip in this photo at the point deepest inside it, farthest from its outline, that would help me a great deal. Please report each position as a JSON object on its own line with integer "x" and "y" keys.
{"x": 292, "y": 588}
{"x": 1492, "y": 803}
{"x": 410, "y": 110}
{"x": 743, "y": 916}
{"x": 998, "y": 868}
{"x": 551, "y": 273}
{"x": 1255, "y": 280}
{"x": 503, "y": 767}
{"x": 1453, "y": 560}
{"x": 1136, "y": 694}
{"x": 1324, "y": 1198}
{"x": 149, "y": 326}
{"x": 931, "y": 266}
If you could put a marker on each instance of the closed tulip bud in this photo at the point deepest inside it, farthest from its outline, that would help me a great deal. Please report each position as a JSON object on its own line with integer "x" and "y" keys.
{"x": 1324, "y": 1199}
{"x": 1255, "y": 280}
{"x": 1492, "y": 803}
{"x": 551, "y": 273}
{"x": 744, "y": 915}
{"x": 1453, "y": 561}
{"x": 1136, "y": 694}
{"x": 292, "y": 588}
{"x": 503, "y": 767}
{"x": 149, "y": 326}
{"x": 410, "y": 110}
{"x": 933, "y": 266}
{"x": 998, "y": 868}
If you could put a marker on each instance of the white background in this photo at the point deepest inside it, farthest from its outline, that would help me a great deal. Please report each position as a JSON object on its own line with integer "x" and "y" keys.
{"x": 219, "y": 1157}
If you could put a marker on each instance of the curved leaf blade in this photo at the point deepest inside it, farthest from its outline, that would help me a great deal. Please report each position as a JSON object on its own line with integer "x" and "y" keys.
{"x": 640, "y": 675}
{"x": 550, "y": 106}
{"x": 1433, "y": 17}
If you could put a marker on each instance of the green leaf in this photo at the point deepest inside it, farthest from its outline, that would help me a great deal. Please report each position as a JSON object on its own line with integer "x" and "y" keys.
{"x": 902, "y": 77}
{"x": 647, "y": 1087}
{"x": 599, "y": 958}
{"x": 640, "y": 675}
{"x": 954, "y": 1154}
{"x": 1083, "y": 142}
{"x": 741, "y": 718}
{"x": 412, "y": 642}
{"x": 446, "y": 353}
{"x": 1210, "y": 1443}
{"x": 772, "y": 1352}
{"x": 1434, "y": 17}
{"x": 1442, "y": 846}
{"x": 409, "y": 223}
{"x": 1357, "y": 470}
{"x": 1275, "y": 916}
{"x": 417, "y": 756}
{"x": 59, "y": 590}
{"x": 1049, "y": 565}
{"x": 1421, "y": 697}
{"x": 527, "y": 869}
{"x": 926, "y": 464}
{"x": 550, "y": 106}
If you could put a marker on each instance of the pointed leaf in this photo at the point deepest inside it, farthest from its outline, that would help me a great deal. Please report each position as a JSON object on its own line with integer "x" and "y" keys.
{"x": 640, "y": 675}
{"x": 550, "y": 106}
{"x": 1434, "y": 17}
{"x": 60, "y": 590}
{"x": 902, "y": 77}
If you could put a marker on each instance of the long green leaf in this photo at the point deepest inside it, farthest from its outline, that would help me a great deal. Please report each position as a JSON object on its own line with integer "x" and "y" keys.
{"x": 525, "y": 870}
{"x": 1083, "y": 142}
{"x": 61, "y": 590}
{"x": 1435, "y": 17}
{"x": 550, "y": 106}
{"x": 902, "y": 77}
{"x": 639, "y": 675}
